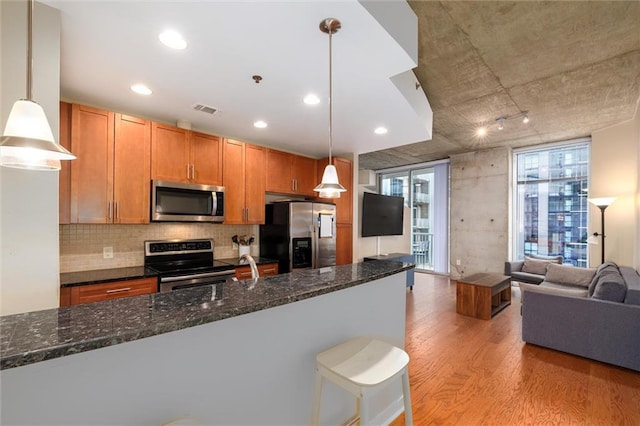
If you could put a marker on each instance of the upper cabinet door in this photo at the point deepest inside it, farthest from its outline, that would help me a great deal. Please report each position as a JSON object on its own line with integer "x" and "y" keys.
{"x": 278, "y": 172}
{"x": 206, "y": 159}
{"x": 132, "y": 152}
{"x": 92, "y": 171}
{"x": 233, "y": 179}
{"x": 64, "y": 199}
{"x": 169, "y": 153}
{"x": 254, "y": 183}
{"x": 304, "y": 175}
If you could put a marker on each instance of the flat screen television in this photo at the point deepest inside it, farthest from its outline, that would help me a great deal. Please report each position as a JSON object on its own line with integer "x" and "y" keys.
{"x": 382, "y": 215}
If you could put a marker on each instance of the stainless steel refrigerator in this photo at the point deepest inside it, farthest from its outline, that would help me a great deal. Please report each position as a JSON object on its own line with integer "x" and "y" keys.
{"x": 299, "y": 234}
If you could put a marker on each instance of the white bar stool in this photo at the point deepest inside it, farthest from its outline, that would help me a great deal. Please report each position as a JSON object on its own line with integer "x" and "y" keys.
{"x": 359, "y": 365}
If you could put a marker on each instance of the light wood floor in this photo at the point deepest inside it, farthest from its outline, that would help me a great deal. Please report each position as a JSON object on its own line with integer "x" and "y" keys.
{"x": 467, "y": 371}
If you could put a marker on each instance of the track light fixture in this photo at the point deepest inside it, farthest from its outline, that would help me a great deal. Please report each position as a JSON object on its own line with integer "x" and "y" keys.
{"x": 501, "y": 120}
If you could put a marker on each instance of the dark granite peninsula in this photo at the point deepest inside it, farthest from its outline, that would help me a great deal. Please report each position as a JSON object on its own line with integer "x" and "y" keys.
{"x": 227, "y": 354}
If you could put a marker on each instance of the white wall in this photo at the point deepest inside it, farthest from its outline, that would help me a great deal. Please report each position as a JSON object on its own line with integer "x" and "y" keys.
{"x": 29, "y": 200}
{"x": 253, "y": 369}
{"x": 615, "y": 166}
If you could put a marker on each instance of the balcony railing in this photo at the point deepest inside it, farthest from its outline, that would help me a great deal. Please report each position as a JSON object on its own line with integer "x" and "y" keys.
{"x": 421, "y": 249}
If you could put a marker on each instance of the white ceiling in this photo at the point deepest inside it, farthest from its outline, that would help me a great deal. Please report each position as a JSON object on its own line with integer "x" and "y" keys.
{"x": 107, "y": 46}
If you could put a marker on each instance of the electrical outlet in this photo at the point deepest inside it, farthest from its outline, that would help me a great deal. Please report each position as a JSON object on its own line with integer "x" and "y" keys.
{"x": 458, "y": 262}
{"x": 107, "y": 252}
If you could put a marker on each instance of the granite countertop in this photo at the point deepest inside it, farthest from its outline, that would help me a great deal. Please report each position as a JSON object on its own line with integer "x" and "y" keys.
{"x": 237, "y": 262}
{"x": 72, "y": 279}
{"x": 41, "y": 335}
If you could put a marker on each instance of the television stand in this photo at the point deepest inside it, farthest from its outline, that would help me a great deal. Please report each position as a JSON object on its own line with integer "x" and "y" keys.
{"x": 399, "y": 257}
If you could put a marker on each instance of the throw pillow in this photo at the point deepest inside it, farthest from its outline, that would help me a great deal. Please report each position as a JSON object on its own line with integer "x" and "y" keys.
{"x": 610, "y": 287}
{"x": 605, "y": 268}
{"x": 567, "y": 274}
{"x": 535, "y": 266}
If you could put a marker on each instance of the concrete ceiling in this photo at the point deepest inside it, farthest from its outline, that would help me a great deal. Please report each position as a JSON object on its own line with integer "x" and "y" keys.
{"x": 106, "y": 46}
{"x": 574, "y": 66}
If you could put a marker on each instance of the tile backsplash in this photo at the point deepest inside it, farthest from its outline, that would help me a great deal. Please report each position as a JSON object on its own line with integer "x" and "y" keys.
{"x": 81, "y": 246}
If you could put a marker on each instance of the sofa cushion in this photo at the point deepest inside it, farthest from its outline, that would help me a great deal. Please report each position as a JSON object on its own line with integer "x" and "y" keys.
{"x": 571, "y": 275}
{"x": 555, "y": 289}
{"x": 605, "y": 267}
{"x": 610, "y": 286}
{"x": 527, "y": 277}
{"x": 535, "y": 266}
{"x": 555, "y": 259}
{"x": 632, "y": 279}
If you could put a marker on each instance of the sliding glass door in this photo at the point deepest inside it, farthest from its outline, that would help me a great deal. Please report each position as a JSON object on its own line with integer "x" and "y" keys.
{"x": 426, "y": 190}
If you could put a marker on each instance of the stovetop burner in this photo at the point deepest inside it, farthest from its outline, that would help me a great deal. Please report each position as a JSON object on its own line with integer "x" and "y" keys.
{"x": 182, "y": 257}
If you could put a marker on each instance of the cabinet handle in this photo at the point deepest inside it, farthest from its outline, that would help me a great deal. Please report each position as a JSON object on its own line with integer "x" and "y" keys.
{"x": 188, "y": 172}
{"x": 117, "y": 216}
{"x": 245, "y": 274}
{"x": 269, "y": 270}
{"x": 193, "y": 171}
{"x": 119, "y": 290}
{"x": 109, "y": 209}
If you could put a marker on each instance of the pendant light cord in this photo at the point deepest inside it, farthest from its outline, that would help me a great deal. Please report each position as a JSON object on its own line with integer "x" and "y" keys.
{"x": 330, "y": 93}
{"x": 29, "y": 48}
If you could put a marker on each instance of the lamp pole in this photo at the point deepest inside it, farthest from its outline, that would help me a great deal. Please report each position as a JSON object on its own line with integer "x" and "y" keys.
{"x": 602, "y": 208}
{"x": 602, "y": 204}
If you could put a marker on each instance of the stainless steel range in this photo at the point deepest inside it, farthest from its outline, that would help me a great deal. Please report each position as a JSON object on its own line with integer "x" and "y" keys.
{"x": 185, "y": 263}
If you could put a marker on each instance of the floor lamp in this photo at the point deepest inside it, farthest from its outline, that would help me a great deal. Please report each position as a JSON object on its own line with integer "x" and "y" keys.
{"x": 602, "y": 204}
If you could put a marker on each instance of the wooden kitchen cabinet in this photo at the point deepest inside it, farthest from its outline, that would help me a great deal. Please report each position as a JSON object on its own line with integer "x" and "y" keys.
{"x": 64, "y": 185}
{"x": 110, "y": 177}
{"x": 244, "y": 182}
{"x": 169, "y": 153}
{"x": 344, "y": 243}
{"x": 344, "y": 208}
{"x": 92, "y": 171}
{"x": 264, "y": 270}
{"x": 111, "y": 290}
{"x": 290, "y": 174}
{"x": 180, "y": 155}
{"x": 206, "y": 158}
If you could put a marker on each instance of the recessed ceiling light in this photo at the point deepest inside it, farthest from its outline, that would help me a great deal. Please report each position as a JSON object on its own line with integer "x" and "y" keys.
{"x": 172, "y": 39}
{"x": 260, "y": 124}
{"x": 311, "y": 99}
{"x": 481, "y": 131}
{"x": 380, "y": 130}
{"x": 141, "y": 89}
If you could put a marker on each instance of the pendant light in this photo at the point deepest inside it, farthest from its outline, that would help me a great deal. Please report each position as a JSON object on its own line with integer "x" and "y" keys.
{"x": 27, "y": 141}
{"x": 330, "y": 186}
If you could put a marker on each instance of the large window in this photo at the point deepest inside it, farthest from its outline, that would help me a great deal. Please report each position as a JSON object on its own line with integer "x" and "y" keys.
{"x": 425, "y": 190}
{"x": 551, "y": 201}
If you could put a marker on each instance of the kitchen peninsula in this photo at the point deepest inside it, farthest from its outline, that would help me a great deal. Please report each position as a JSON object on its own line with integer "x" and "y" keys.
{"x": 236, "y": 353}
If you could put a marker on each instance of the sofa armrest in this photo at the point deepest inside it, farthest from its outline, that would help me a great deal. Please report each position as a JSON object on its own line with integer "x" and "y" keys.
{"x": 597, "y": 329}
{"x": 514, "y": 266}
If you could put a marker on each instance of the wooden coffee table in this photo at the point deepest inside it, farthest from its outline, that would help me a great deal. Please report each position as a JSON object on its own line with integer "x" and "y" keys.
{"x": 483, "y": 295}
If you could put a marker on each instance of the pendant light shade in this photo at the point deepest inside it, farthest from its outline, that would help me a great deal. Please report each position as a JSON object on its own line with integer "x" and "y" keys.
{"x": 27, "y": 141}
{"x": 330, "y": 186}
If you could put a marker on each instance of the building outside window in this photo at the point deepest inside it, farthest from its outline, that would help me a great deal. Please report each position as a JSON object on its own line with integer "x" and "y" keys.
{"x": 551, "y": 201}
{"x": 425, "y": 191}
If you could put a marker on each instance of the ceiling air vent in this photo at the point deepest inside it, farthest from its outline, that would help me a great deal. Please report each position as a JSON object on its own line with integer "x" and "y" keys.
{"x": 205, "y": 108}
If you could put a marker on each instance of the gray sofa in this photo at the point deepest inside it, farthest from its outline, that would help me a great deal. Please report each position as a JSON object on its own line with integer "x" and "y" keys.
{"x": 599, "y": 320}
{"x": 530, "y": 270}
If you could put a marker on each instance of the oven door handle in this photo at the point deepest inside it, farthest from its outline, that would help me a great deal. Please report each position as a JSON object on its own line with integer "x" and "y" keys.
{"x": 203, "y": 275}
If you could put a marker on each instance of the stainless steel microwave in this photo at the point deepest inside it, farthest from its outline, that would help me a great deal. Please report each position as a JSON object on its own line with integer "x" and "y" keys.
{"x": 186, "y": 202}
